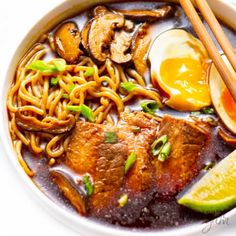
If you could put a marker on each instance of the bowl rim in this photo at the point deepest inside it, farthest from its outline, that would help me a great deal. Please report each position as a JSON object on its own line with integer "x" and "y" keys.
{"x": 77, "y": 222}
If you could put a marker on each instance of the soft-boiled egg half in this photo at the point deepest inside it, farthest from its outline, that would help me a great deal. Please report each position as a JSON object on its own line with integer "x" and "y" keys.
{"x": 179, "y": 64}
{"x": 221, "y": 97}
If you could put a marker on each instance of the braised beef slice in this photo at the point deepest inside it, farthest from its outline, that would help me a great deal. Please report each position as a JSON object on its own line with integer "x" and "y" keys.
{"x": 88, "y": 153}
{"x": 183, "y": 164}
{"x": 109, "y": 174}
{"x": 140, "y": 176}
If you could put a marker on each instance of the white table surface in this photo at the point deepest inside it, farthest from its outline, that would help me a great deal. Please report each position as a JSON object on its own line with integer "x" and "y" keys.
{"x": 19, "y": 213}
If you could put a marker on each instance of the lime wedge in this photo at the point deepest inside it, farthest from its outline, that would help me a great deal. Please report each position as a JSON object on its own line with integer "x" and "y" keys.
{"x": 216, "y": 191}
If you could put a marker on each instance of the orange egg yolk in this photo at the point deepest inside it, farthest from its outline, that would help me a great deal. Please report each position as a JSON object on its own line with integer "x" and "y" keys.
{"x": 186, "y": 77}
{"x": 229, "y": 104}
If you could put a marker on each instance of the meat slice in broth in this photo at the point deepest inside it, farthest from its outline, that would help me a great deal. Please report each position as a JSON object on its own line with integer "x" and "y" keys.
{"x": 90, "y": 152}
{"x": 139, "y": 130}
{"x": 183, "y": 164}
{"x": 109, "y": 174}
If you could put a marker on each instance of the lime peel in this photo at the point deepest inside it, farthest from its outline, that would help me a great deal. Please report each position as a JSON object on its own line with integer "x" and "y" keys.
{"x": 216, "y": 191}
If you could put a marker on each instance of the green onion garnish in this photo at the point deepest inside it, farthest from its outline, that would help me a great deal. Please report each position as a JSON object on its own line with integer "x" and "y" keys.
{"x": 60, "y": 65}
{"x": 73, "y": 108}
{"x": 136, "y": 129}
{"x": 165, "y": 152}
{"x": 130, "y": 161}
{"x": 195, "y": 113}
{"x": 209, "y": 165}
{"x": 85, "y": 111}
{"x": 149, "y": 107}
{"x": 43, "y": 66}
{"x": 110, "y": 137}
{"x": 128, "y": 86}
{"x": 158, "y": 145}
{"x": 123, "y": 200}
{"x": 88, "y": 185}
{"x": 71, "y": 87}
{"x": 65, "y": 95}
{"x": 89, "y": 71}
{"x": 208, "y": 111}
{"x": 54, "y": 81}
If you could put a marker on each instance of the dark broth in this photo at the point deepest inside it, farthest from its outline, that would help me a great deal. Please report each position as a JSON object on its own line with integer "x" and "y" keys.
{"x": 145, "y": 210}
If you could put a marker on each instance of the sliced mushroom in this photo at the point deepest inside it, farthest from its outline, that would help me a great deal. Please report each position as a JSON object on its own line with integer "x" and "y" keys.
{"x": 67, "y": 42}
{"x": 148, "y": 15}
{"x": 100, "y": 10}
{"x": 55, "y": 126}
{"x": 121, "y": 44}
{"x": 84, "y": 35}
{"x": 101, "y": 33}
{"x": 70, "y": 189}
{"x": 140, "y": 49}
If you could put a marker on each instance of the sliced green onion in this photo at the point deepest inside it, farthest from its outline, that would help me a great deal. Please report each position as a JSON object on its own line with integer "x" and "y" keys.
{"x": 110, "y": 137}
{"x": 87, "y": 113}
{"x": 73, "y": 108}
{"x": 149, "y": 107}
{"x": 65, "y": 95}
{"x": 60, "y": 65}
{"x": 209, "y": 165}
{"x": 165, "y": 152}
{"x": 123, "y": 200}
{"x": 211, "y": 121}
{"x": 195, "y": 113}
{"x": 71, "y": 87}
{"x": 43, "y": 66}
{"x": 88, "y": 185}
{"x": 54, "y": 81}
{"x": 158, "y": 145}
{"x": 128, "y": 86}
{"x": 130, "y": 161}
{"x": 208, "y": 111}
{"x": 136, "y": 129}
{"x": 89, "y": 71}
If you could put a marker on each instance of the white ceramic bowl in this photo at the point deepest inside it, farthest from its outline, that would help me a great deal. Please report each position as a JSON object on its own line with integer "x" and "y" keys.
{"x": 226, "y": 12}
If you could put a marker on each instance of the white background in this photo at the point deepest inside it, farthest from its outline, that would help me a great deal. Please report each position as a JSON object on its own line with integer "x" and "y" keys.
{"x": 19, "y": 213}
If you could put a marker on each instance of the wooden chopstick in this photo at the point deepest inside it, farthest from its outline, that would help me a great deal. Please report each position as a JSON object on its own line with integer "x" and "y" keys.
{"x": 217, "y": 31}
{"x": 209, "y": 44}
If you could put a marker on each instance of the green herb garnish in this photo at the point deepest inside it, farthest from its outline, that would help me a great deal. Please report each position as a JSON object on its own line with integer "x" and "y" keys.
{"x": 123, "y": 200}
{"x": 54, "y": 81}
{"x": 208, "y": 111}
{"x": 165, "y": 152}
{"x": 85, "y": 111}
{"x": 71, "y": 87}
{"x": 195, "y": 113}
{"x": 43, "y": 66}
{"x": 149, "y": 107}
{"x": 209, "y": 165}
{"x": 73, "y": 108}
{"x": 130, "y": 161}
{"x": 110, "y": 137}
{"x": 60, "y": 65}
{"x": 128, "y": 86}
{"x": 136, "y": 129}
{"x": 66, "y": 96}
{"x": 88, "y": 185}
{"x": 89, "y": 71}
{"x": 158, "y": 145}
{"x": 161, "y": 148}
